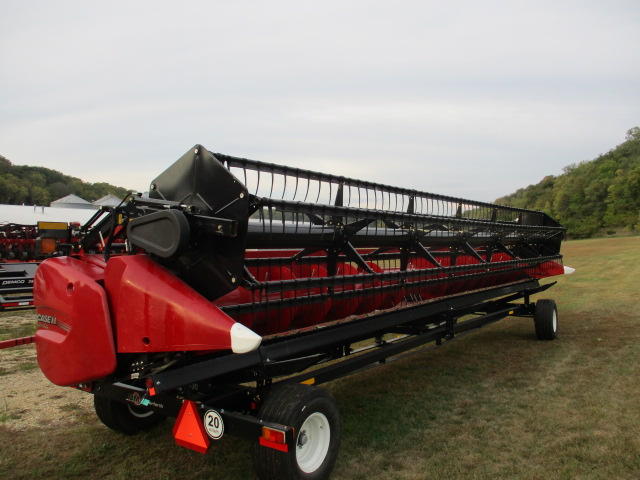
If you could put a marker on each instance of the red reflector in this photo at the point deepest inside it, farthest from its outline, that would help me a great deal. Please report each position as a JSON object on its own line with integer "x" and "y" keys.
{"x": 274, "y": 438}
{"x": 277, "y": 446}
{"x": 273, "y": 435}
{"x": 189, "y": 431}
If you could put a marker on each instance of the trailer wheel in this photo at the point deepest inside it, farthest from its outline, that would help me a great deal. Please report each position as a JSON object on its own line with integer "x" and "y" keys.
{"x": 314, "y": 415}
{"x": 546, "y": 320}
{"x": 125, "y": 418}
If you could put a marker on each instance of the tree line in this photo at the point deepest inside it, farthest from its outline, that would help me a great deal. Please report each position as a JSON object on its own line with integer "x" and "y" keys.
{"x": 26, "y": 185}
{"x": 591, "y": 196}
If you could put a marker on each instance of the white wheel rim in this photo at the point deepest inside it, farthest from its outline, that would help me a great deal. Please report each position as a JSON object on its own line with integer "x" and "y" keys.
{"x": 312, "y": 444}
{"x": 554, "y": 321}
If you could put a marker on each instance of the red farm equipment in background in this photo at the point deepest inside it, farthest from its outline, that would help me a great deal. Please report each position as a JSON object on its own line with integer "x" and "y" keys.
{"x": 22, "y": 247}
{"x": 30, "y": 243}
{"x": 212, "y": 300}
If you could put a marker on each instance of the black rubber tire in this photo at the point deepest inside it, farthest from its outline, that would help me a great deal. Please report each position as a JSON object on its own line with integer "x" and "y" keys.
{"x": 292, "y": 405}
{"x": 546, "y": 320}
{"x": 125, "y": 418}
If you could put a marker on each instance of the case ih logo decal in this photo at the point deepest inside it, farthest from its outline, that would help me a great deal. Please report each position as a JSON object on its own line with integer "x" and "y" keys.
{"x": 49, "y": 319}
{"x": 45, "y": 320}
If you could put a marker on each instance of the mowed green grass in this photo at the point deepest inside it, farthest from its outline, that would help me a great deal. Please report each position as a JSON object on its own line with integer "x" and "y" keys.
{"x": 496, "y": 404}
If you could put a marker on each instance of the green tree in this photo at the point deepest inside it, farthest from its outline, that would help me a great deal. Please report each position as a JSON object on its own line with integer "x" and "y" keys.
{"x": 17, "y": 190}
{"x": 39, "y": 185}
{"x": 623, "y": 202}
{"x": 593, "y": 195}
{"x": 40, "y": 196}
{"x": 58, "y": 190}
{"x": 5, "y": 165}
{"x": 633, "y": 133}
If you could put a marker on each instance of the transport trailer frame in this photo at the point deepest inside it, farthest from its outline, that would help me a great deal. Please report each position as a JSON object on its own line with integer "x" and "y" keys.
{"x": 230, "y": 389}
{"x": 435, "y": 320}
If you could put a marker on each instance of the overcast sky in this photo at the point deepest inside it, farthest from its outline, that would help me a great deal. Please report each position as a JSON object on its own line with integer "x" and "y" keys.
{"x": 464, "y": 98}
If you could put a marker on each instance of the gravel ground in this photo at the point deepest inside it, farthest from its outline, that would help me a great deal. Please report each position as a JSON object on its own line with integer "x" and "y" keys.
{"x": 27, "y": 399}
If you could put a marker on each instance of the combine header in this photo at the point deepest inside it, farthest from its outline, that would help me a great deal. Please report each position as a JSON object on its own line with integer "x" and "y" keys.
{"x": 211, "y": 300}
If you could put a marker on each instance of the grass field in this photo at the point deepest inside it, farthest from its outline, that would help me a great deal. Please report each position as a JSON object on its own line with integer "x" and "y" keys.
{"x": 495, "y": 405}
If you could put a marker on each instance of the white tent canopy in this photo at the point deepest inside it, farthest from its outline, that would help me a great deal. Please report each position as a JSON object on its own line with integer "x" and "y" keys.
{"x": 31, "y": 215}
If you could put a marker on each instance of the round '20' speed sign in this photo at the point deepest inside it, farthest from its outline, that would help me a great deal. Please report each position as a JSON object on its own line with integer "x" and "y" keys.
{"x": 213, "y": 424}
